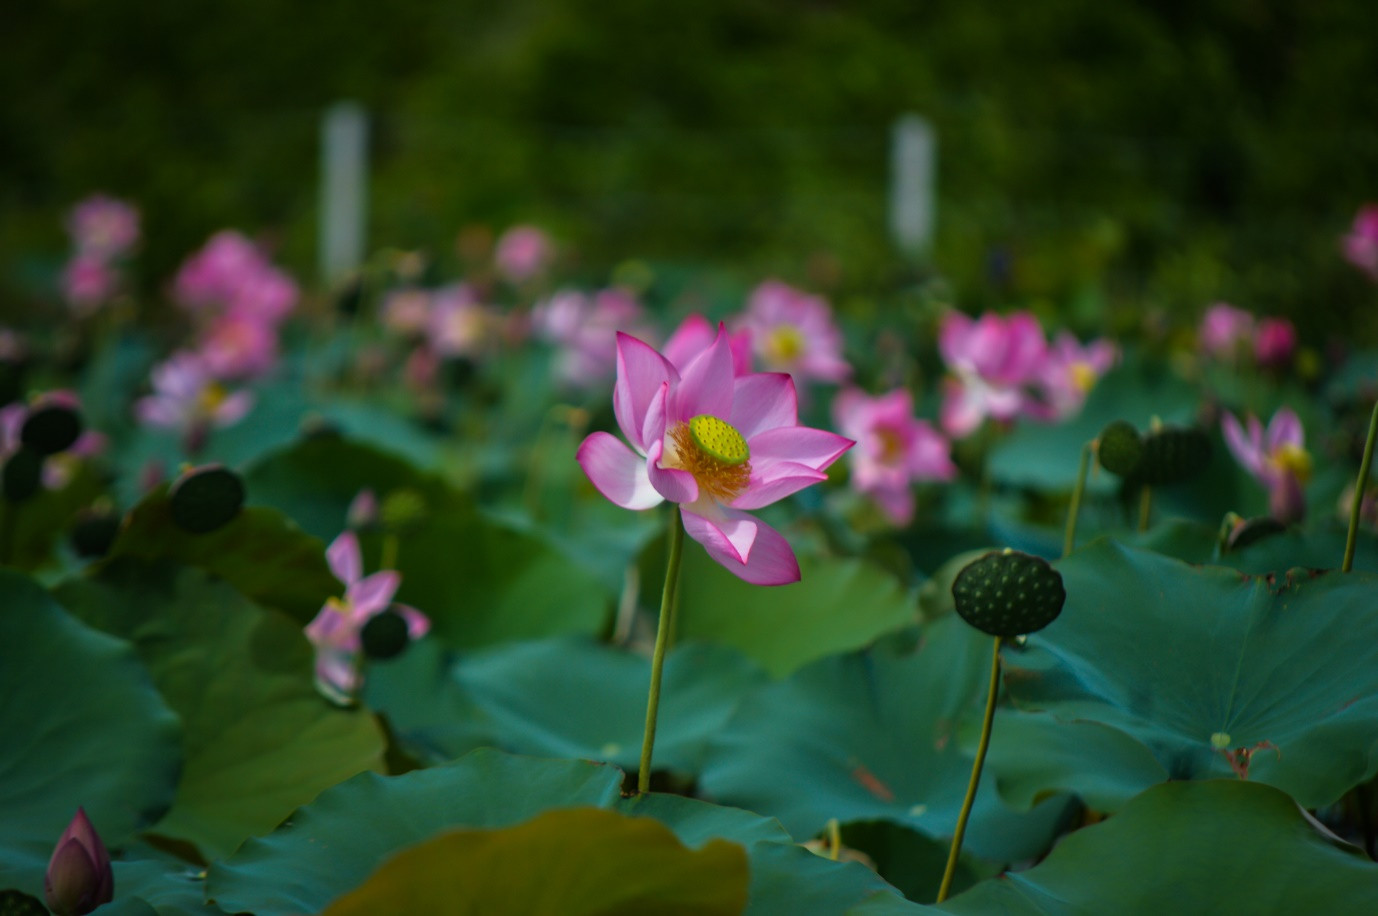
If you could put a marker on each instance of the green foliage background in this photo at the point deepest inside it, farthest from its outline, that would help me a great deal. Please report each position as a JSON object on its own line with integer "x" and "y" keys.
{"x": 1155, "y": 154}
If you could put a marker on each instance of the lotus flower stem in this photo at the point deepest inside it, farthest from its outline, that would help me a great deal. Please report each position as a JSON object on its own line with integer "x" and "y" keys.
{"x": 1070, "y": 540}
{"x": 975, "y": 774}
{"x": 1364, "y": 467}
{"x": 834, "y": 839}
{"x": 668, "y": 600}
{"x": 1145, "y": 506}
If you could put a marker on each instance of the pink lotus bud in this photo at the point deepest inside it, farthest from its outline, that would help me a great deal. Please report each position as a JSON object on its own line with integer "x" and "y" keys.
{"x": 79, "y": 877}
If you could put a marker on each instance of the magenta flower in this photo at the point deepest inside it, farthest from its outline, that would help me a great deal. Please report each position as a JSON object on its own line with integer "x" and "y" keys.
{"x": 584, "y": 329}
{"x": 1276, "y": 458}
{"x": 794, "y": 332}
{"x": 79, "y": 877}
{"x": 88, "y": 282}
{"x": 187, "y": 397}
{"x": 717, "y": 444}
{"x": 523, "y": 252}
{"x": 893, "y": 449}
{"x": 213, "y": 275}
{"x": 238, "y": 345}
{"x": 1226, "y": 331}
{"x": 103, "y": 228}
{"x": 267, "y": 294}
{"x": 1361, "y": 245}
{"x": 1069, "y": 372}
{"x": 695, "y": 334}
{"x": 1275, "y": 340}
{"x": 336, "y": 628}
{"x": 992, "y": 359}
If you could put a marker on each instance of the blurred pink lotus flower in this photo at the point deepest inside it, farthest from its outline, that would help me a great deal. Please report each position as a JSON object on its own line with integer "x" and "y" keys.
{"x": 695, "y": 334}
{"x": 103, "y": 228}
{"x": 1361, "y": 245}
{"x": 407, "y": 311}
{"x": 992, "y": 359}
{"x": 717, "y": 444}
{"x": 88, "y": 282}
{"x": 1276, "y": 458}
{"x": 1226, "y": 331}
{"x": 522, "y": 253}
{"x": 79, "y": 877}
{"x": 584, "y": 329}
{"x": 239, "y": 345}
{"x": 1069, "y": 372}
{"x": 894, "y": 449}
{"x": 792, "y": 331}
{"x": 458, "y": 325}
{"x": 213, "y": 275}
{"x": 188, "y": 397}
{"x": 1275, "y": 340}
{"x": 267, "y": 294}
{"x": 336, "y": 628}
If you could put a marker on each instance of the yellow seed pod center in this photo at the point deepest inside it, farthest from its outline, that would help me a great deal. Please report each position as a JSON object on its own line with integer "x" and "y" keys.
{"x": 719, "y": 440}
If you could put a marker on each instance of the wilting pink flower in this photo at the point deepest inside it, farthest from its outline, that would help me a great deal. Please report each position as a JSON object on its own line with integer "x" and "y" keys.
{"x": 335, "y": 630}
{"x": 522, "y": 253}
{"x": 695, "y": 334}
{"x": 187, "y": 397}
{"x": 103, "y": 227}
{"x": 1226, "y": 331}
{"x": 993, "y": 359}
{"x": 584, "y": 329}
{"x": 1361, "y": 245}
{"x": 79, "y": 877}
{"x": 893, "y": 449}
{"x": 794, "y": 332}
{"x": 239, "y": 345}
{"x": 88, "y": 282}
{"x": 1069, "y": 372}
{"x": 1275, "y": 340}
{"x": 717, "y": 444}
{"x": 1276, "y": 457}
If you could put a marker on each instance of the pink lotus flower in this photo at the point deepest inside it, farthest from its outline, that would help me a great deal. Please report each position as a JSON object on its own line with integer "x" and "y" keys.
{"x": 458, "y": 325}
{"x": 1226, "y": 331}
{"x": 1069, "y": 372}
{"x": 266, "y": 294}
{"x": 88, "y": 282}
{"x": 407, "y": 311}
{"x": 1361, "y": 245}
{"x": 103, "y": 228}
{"x": 1276, "y": 457}
{"x": 584, "y": 329}
{"x": 993, "y": 359}
{"x": 717, "y": 444}
{"x": 239, "y": 345}
{"x": 187, "y": 397}
{"x": 695, "y": 334}
{"x": 893, "y": 449}
{"x": 522, "y": 253}
{"x": 336, "y": 628}
{"x": 1275, "y": 340}
{"x": 79, "y": 877}
{"x": 793, "y": 332}
{"x": 213, "y": 275}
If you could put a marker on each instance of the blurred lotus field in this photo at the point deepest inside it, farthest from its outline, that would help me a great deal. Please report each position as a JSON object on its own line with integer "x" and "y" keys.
{"x": 601, "y": 506}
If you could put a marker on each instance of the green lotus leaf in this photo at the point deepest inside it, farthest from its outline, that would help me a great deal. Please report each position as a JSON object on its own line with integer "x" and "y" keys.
{"x": 258, "y": 739}
{"x": 84, "y": 727}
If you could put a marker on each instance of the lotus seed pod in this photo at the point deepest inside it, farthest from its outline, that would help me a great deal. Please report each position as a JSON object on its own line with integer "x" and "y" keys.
{"x": 384, "y": 635}
{"x": 1008, "y": 593}
{"x": 1173, "y": 455}
{"x": 205, "y": 499}
{"x": 1120, "y": 448}
{"x": 51, "y": 429}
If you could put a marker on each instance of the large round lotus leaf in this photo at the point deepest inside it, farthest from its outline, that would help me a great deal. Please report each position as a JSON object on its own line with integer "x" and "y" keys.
{"x": 329, "y": 846}
{"x": 82, "y": 725}
{"x": 260, "y": 551}
{"x": 1207, "y": 847}
{"x": 873, "y": 736}
{"x": 575, "y": 698}
{"x": 170, "y": 885}
{"x": 1197, "y": 542}
{"x": 480, "y": 580}
{"x": 427, "y": 713}
{"x": 258, "y": 739}
{"x": 576, "y": 862}
{"x": 1193, "y": 661}
{"x": 837, "y": 606}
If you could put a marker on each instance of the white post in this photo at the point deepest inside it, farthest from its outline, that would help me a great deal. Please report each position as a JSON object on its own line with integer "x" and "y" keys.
{"x": 913, "y": 185}
{"x": 344, "y": 190}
